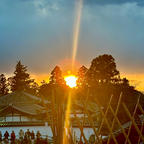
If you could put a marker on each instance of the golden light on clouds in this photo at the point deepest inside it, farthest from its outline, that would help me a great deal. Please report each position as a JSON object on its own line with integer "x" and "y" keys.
{"x": 40, "y": 77}
{"x": 136, "y": 80}
{"x": 65, "y": 65}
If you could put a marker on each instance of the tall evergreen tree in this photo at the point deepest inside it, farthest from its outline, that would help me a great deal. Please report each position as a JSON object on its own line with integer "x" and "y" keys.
{"x": 21, "y": 79}
{"x": 81, "y": 75}
{"x": 3, "y": 85}
{"x": 56, "y": 76}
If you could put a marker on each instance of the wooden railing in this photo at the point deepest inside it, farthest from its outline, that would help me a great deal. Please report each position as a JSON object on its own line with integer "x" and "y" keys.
{"x": 112, "y": 129}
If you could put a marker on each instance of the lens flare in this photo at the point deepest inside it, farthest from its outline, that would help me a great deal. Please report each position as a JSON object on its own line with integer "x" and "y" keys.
{"x": 76, "y": 31}
{"x": 71, "y": 81}
{"x": 67, "y": 120}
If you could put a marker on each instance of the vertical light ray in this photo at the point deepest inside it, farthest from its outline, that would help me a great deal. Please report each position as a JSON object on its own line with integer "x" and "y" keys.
{"x": 79, "y": 5}
{"x": 67, "y": 118}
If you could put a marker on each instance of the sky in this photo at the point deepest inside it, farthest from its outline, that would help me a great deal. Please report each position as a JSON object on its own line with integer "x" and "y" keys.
{"x": 40, "y": 34}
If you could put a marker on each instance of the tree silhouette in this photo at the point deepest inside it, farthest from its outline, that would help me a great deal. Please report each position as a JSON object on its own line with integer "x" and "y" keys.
{"x": 33, "y": 88}
{"x": 81, "y": 75}
{"x": 102, "y": 69}
{"x": 56, "y": 76}
{"x": 45, "y": 90}
{"x": 3, "y": 85}
{"x": 21, "y": 79}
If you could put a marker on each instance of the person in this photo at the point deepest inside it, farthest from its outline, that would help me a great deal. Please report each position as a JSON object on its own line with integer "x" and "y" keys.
{"x": 38, "y": 135}
{"x": 0, "y": 137}
{"x": 25, "y": 140}
{"x": 92, "y": 139}
{"x": 21, "y": 134}
{"x": 6, "y": 135}
{"x": 13, "y": 137}
{"x": 28, "y": 134}
{"x": 32, "y": 135}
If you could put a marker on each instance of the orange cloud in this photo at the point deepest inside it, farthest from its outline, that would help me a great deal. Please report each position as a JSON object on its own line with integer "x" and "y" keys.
{"x": 40, "y": 77}
{"x": 137, "y": 80}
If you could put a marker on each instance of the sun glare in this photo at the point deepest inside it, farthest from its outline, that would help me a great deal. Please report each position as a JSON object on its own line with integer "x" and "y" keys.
{"x": 71, "y": 81}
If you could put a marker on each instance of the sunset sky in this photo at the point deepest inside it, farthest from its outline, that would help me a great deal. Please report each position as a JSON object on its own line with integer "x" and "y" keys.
{"x": 40, "y": 34}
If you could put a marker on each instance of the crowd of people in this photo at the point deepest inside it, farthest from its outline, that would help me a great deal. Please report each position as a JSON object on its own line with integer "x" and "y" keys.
{"x": 29, "y": 137}
{"x": 23, "y": 138}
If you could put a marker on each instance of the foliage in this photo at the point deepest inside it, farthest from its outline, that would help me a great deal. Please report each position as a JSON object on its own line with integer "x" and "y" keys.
{"x": 102, "y": 80}
{"x": 45, "y": 90}
{"x": 3, "y": 85}
{"x": 81, "y": 76}
{"x": 21, "y": 79}
{"x": 33, "y": 88}
{"x": 56, "y": 76}
{"x": 56, "y": 83}
{"x": 102, "y": 69}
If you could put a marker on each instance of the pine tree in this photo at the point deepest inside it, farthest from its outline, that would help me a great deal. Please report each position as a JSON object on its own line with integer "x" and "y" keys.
{"x": 3, "y": 85}
{"x": 21, "y": 79}
{"x": 56, "y": 76}
{"x": 81, "y": 75}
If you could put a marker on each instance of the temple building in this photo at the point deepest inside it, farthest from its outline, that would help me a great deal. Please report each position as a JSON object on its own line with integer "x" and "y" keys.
{"x": 21, "y": 109}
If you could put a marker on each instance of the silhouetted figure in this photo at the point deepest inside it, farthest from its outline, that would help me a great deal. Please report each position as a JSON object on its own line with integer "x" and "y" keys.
{"x": 13, "y": 137}
{"x": 32, "y": 135}
{"x": 38, "y": 135}
{"x": 28, "y": 136}
{"x": 25, "y": 140}
{"x": 0, "y": 136}
{"x": 21, "y": 135}
{"x": 6, "y": 135}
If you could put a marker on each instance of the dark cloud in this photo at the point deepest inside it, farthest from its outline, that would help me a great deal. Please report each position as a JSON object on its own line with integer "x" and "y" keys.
{"x": 105, "y": 2}
{"x": 91, "y": 2}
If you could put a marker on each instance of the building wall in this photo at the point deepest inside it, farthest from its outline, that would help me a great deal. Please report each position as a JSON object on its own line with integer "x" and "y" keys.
{"x": 16, "y": 118}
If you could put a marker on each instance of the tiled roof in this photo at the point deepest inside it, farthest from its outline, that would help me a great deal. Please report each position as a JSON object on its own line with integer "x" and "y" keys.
{"x": 21, "y": 102}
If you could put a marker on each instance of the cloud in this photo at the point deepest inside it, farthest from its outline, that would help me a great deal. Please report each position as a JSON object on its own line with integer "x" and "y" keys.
{"x": 136, "y": 80}
{"x": 106, "y": 2}
{"x": 44, "y": 7}
{"x": 138, "y": 84}
{"x": 91, "y": 2}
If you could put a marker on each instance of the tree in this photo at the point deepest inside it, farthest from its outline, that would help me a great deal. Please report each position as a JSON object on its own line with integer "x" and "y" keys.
{"x": 45, "y": 90}
{"x": 57, "y": 90}
{"x": 21, "y": 79}
{"x": 56, "y": 76}
{"x": 33, "y": 88}
{"x": 81, "y": 75}
{"x": 102, "y": 69}
{"x": 3, "y": 85}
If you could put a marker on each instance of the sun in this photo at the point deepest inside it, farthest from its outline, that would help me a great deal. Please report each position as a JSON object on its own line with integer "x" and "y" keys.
{"x": 71, "y": 81}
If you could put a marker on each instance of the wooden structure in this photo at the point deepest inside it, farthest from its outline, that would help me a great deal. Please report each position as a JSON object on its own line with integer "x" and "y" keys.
{"x": 21, "y": 109}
